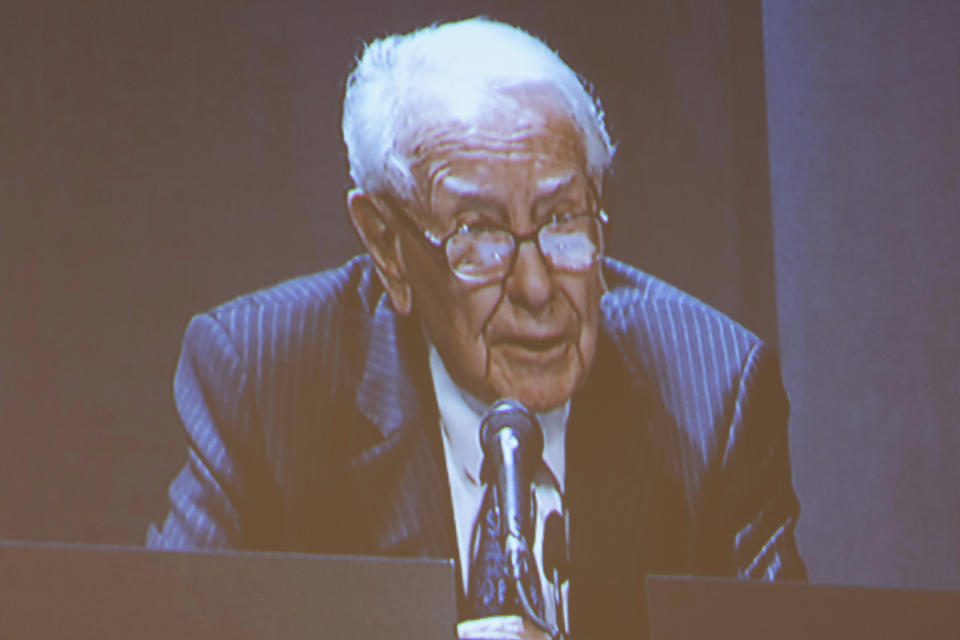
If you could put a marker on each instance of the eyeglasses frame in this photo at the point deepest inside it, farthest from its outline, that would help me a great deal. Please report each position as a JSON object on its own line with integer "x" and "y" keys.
{"x": 439, "y": 243}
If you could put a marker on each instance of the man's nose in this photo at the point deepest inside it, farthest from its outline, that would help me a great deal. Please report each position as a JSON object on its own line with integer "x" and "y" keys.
{"x": 530, "y": 283}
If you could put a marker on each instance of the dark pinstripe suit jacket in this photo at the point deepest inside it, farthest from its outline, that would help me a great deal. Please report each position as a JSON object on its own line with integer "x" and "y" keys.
{"x": 313, "y": 427}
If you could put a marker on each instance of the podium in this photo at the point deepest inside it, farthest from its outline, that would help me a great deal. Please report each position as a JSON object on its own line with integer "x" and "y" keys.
{"x": 685, "y": 608}
{"x": 80, "y": 592}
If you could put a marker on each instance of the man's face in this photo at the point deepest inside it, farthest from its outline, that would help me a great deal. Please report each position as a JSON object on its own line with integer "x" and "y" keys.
{"x": 533, "y": 335}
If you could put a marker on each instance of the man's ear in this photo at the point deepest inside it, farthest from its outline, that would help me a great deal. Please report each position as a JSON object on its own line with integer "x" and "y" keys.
{"x": 383, "y": 243}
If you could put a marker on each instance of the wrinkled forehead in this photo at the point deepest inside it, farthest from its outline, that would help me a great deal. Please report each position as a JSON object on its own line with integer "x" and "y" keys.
{"x": 526, "y": 124}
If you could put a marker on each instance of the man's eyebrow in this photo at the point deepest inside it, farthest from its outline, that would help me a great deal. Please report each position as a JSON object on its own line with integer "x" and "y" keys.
{"x": 470, "y": 194}
{"x": 549, "y": 187}
{"x": 460, "y": 186}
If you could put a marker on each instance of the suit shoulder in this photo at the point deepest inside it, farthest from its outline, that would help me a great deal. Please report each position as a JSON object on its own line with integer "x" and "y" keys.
{"x": 302, "y": 325}
{"x": 353, "y": 285}
{"x": 693, "y": 358}
{"x": 637, "y": 302}
{"x": 691, "y": 353}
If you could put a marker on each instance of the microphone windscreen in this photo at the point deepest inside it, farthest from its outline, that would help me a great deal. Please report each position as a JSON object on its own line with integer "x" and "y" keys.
{"x": 509, "y": 413}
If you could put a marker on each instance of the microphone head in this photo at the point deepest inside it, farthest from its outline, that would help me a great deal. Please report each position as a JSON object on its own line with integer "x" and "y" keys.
{"x": 507, "y": 413}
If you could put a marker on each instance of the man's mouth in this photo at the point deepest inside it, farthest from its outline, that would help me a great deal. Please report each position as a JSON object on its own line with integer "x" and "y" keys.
{"x": 538, "y": 350}
{"x": 536, "y": 344}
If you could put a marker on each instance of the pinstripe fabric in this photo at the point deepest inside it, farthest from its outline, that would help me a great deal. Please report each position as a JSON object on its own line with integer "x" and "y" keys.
{"x": 309, "y": 388}
{"x": 312, "y": 427}
{"x": 677, "y": 455}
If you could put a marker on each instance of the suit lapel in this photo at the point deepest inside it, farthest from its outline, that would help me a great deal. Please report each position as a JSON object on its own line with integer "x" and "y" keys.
{"x": 621, "y": 496}
{"x": 406, "y": 470}
{"x": 605, "y": 474}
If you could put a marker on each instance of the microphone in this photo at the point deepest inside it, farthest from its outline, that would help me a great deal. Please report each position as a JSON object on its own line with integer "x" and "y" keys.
{"x": 512, "y": 444}
{"x": 512, "y": 448}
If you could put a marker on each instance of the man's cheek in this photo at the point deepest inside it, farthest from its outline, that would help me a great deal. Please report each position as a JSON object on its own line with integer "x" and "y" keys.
{"x": 483, "y": 306}
{"x": 584, "y": 295}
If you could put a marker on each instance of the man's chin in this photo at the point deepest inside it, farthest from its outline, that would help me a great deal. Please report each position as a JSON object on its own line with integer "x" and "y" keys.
{"x": 539, "y": 391}
{"x": 539, "y": 401}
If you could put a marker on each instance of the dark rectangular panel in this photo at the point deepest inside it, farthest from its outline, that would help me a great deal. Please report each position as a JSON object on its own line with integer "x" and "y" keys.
{"x": 685, "y": 608}
{"x": 61, "y": 591}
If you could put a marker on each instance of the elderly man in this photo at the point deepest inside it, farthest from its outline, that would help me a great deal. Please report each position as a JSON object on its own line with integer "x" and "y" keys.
{"x": 339, "y": 412}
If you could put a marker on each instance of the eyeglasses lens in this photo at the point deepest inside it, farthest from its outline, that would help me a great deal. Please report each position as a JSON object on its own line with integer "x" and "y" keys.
{"x": 480, "y": 255}
{"x": 571, "y": 245}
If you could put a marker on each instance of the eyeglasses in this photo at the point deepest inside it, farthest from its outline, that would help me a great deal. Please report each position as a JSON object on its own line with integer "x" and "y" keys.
{"x": 480, "y": 252}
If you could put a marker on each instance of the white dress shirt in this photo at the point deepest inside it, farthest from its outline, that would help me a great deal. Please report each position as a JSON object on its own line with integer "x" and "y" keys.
{"x": 460, "y": 415}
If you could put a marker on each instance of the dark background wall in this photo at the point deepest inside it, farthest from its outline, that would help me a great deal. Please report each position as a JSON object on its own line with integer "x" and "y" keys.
{"x": 864, "y": 113}
{"x": 159, "y": 158}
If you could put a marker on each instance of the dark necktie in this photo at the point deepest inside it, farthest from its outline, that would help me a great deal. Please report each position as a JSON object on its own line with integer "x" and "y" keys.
{"x": 492, "y": 590}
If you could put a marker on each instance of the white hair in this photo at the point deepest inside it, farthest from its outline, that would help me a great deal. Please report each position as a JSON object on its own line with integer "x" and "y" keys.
{"x": 403, "y": 83}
